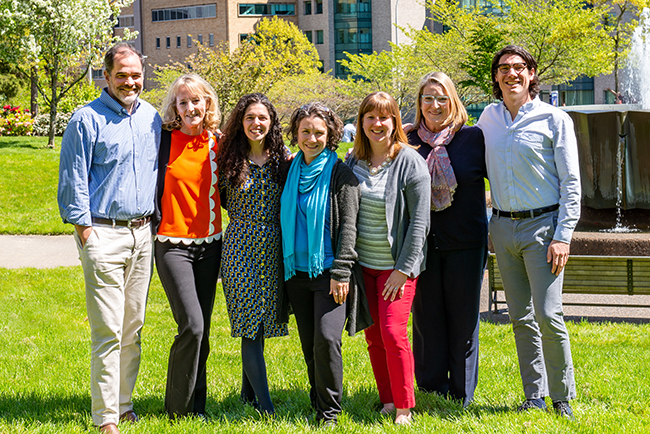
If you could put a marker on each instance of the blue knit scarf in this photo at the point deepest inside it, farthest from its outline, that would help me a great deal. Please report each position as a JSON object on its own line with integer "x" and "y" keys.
{"x": 304, "y": 178}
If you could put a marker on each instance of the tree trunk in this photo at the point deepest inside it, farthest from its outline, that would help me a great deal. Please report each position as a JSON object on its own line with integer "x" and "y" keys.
{"x": 33, "y": 97}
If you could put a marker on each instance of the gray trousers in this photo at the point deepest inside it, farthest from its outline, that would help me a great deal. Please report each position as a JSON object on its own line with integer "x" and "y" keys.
{"x": 534, "y": 297}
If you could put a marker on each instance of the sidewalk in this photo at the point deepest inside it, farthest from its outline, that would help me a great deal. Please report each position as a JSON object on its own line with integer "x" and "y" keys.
{"x": 38, "y": 251}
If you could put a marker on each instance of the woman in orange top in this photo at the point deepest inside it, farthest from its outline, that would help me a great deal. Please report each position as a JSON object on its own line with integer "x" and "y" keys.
{"x": 188, "y": 234}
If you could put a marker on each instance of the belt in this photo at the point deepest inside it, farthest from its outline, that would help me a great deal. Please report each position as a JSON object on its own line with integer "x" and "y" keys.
{"x": 131, "y": 224}
{"x": 531, "y": 213}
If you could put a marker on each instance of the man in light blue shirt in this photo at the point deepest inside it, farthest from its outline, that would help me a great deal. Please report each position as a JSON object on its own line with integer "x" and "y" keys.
{"x": 532, "y": 162}
{"x": 107, "y": 180}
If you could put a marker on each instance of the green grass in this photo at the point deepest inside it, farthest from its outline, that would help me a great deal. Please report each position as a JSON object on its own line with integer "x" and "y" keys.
{"x": 29, "y": 174}
{"x": 44, "y": 374}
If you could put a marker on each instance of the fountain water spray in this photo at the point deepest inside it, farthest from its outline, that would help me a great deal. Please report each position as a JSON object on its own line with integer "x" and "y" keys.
{"x": 638, "y": 63}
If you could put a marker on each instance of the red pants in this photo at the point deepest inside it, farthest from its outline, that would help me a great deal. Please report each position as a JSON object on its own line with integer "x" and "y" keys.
{"x": 388, "y": 343}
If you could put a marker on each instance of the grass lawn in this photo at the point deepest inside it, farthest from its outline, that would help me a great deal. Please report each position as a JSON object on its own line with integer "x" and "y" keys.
{"x": 44, "y": 374}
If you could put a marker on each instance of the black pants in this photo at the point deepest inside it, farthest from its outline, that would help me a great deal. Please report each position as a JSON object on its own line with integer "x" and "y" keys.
{"x": 446, "y": 322}
{"x": 320, "y": 325}
{"x": 189, "y": 276}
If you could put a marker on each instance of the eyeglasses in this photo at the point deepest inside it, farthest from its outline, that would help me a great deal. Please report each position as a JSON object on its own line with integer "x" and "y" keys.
{"x": 429, "y": 99}
{"x": 504, "y": 68}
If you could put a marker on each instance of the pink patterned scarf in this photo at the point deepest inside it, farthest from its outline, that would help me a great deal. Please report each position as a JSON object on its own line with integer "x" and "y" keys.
{"x": 443, "y": 180}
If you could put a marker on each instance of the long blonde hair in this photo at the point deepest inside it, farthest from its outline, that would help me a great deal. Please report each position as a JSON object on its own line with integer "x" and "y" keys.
{"x": 457, "y": 112}
{"x": 198, "y": 86}
{"x": 384, "y": 103}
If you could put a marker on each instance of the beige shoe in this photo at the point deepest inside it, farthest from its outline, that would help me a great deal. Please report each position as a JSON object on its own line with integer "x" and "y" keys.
{"x": 403, "y": 419}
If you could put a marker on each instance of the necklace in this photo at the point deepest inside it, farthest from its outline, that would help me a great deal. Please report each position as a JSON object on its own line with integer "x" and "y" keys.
{"x": 376, "y": 169}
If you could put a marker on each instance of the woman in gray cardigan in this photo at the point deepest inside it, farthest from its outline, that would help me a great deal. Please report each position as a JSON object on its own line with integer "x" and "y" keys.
{"x": 391, "y": 241}
{"x": 324, "y": 283}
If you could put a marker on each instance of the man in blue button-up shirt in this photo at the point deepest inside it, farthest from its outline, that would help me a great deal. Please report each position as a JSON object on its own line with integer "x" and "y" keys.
{"x": 532, "y": 163}
{"x": 107, "y": 179}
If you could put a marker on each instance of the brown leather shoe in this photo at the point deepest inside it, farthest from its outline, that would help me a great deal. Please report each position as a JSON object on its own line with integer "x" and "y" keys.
{"x": 129, "y": 416}
{"x": 109, "y": 428}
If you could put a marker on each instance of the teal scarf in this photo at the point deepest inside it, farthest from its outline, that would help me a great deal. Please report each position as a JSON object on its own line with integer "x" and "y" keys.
{"x": 304, "y": 178}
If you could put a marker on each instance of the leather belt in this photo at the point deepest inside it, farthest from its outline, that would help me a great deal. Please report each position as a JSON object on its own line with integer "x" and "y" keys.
{"x": 531, "y": 213}
{"x": 131, "y": 224}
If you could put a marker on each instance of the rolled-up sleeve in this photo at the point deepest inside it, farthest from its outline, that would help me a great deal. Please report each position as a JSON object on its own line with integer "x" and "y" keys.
{"x": 75, "y": 158}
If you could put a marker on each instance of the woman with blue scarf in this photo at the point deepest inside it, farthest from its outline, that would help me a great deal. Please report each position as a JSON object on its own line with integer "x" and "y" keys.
{"x": 324, "y": 283}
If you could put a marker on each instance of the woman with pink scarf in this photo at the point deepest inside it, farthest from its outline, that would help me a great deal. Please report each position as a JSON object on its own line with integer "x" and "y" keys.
{"x": 446, "y": 304}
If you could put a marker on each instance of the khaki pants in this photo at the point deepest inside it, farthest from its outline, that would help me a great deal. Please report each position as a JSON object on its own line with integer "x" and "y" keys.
{"x": 117, "y": 264}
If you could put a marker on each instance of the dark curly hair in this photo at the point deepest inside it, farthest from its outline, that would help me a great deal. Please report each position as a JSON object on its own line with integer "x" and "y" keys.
{"x": 333, "y": 122}
{"x": 531, "y": 63}
{"x": 232, "y": 158}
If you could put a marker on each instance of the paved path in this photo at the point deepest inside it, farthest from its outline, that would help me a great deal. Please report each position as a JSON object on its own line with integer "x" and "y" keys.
{"x": 18, "y": 251}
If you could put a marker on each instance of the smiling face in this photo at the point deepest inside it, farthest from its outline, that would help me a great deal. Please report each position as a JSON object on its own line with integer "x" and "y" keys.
{"x": 191, "y": 109}
{"x": 378, "y": 127}
{"x": 126, "y": 79}
{"x": 514, "y": 85}
{"x": 256, "y": 123}
{"x": 435, "y": 114}
{"x": 312, "y": 137}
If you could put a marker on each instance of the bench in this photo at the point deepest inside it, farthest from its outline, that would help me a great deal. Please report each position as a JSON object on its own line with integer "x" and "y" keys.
{"x": 602, "y": 275}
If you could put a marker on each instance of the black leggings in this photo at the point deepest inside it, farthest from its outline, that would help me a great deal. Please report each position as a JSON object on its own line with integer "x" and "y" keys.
{"x": 255, "y": 386}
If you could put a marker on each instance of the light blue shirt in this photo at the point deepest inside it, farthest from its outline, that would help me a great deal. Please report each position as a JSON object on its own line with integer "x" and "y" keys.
{"x": 108, "y": 162}
{"x": 532, "y": 162}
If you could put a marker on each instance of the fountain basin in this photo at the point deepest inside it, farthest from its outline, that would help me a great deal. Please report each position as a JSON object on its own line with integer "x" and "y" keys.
{"x": 614, "y": 151}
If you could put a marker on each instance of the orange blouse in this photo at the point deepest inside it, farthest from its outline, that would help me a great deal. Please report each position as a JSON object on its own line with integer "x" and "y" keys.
{"x": 190, "y": 204}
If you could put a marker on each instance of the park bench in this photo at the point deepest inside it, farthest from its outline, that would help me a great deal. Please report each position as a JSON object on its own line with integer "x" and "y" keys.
{"x": 607, "y": 275}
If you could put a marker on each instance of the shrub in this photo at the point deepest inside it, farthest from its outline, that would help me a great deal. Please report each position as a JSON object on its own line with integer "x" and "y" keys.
{"x": 42, "y": 124}
{"x": 15, "y": 122}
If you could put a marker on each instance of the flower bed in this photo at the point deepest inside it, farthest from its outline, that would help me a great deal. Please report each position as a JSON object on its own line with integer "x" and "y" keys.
{"x": 15, "y": 122}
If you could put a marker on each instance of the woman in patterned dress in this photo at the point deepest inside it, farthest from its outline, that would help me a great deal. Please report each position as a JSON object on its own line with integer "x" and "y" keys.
{"x": 252, "y": 162}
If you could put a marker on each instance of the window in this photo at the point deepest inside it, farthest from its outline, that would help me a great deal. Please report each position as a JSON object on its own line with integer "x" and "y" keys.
{"x": 186, "y": 13}
{"x": 189, "y": 41}
{"x": 125, "y": 21}
{"x": 260, "y": 9}
{"x": 243, "y": 37}
{"x": 308, "y": 34}
{"x": 307, "y": 10}
{"x": 319, "y": 6}
{"x": 319, "y": 37}
{"x": 201, "y": 39}
{"x": 169, "y": 42}
{"x": 98, "y": 74}
{"x": 157, "y": 43}
{"x": 178, "y": 42}
{"x": 211, "y": 39}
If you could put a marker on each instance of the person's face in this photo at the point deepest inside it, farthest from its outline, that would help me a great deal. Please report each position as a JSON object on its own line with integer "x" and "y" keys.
{"x": 191, "y": 109}
{"x": 126, "y": 79}
{"x": 513, "y": 83}
{"x": 378, "y": 127}
{"x": 257, "y": 122}
{"x": 312, "y": 137}
{"x": 435, "y": 106}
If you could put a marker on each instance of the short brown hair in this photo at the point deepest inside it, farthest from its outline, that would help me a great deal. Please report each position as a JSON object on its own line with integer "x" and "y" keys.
{"x": 457, "y": 112}
{"x": 385, "y": 104}
{"x": 109, "y": 57}
{"x": 333, "y": 122}
{"x": 531, "y": 63}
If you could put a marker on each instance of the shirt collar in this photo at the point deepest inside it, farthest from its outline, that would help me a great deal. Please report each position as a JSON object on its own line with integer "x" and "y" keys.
{"x": 524, "y": 109}
{"x": 112, "y": 103}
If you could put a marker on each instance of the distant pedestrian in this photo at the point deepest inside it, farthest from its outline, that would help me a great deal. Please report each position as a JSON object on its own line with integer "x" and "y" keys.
{"x": 107, "y": 181}
{"x": 349, "y": 132}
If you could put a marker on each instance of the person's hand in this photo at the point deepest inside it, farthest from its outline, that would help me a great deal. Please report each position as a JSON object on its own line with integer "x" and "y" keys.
{"x": 83, "y": 232}
{"x": 394, "y": 286}
{"x": 339, "y": 290}
{"x": 407, "y": 128}
{"x": 557, "y": 255}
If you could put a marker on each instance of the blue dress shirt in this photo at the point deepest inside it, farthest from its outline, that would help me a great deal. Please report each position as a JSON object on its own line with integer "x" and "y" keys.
{"x": 532, "y": 161}
{"x": 108, "y": 162}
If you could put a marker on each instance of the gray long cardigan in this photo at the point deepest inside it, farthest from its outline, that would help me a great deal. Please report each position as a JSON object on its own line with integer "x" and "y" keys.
{"x": 408, "y": 205}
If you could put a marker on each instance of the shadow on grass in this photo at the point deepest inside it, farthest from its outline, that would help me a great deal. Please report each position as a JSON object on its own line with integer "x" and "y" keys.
{"x": 45, "y": 409}
{"x": 26, "y": 142}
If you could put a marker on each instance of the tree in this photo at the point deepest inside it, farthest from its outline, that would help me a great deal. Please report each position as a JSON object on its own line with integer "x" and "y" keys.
{"x": 277, "y": 50}
{"x": 63, "y": 38}
{"x": 620, "y": 18}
